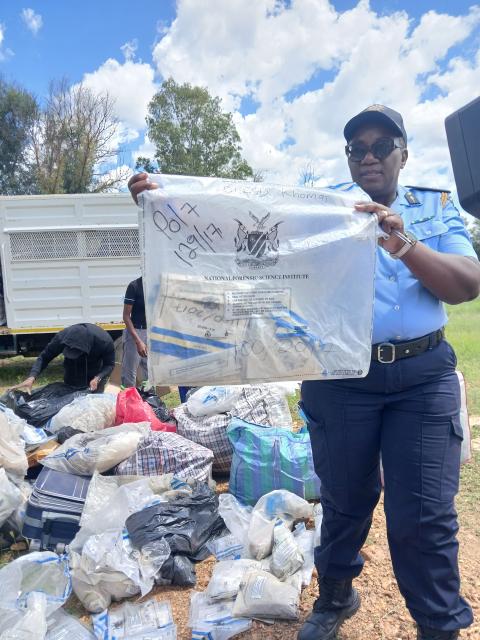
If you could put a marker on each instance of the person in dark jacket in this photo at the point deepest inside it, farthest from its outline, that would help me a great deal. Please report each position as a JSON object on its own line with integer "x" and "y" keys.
{"x": 89, "y": 357}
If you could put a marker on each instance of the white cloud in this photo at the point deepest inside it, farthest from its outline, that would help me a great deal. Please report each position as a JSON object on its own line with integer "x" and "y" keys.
{"x": 146, "y": 150}
{"x": 129, "y": 49}
{"x": 131, "y": 84}
{"x": 264, "y": 49}
{"x": 32, "y": 20}
{"x": 117, "y": 176}
{"x": 4, "y": 52}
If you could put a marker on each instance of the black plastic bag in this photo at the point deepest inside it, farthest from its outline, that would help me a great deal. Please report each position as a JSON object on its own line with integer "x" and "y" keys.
{"x": 186, "y": 523}
{"x": 159, "y": 407}
{"x": 177, "y": 570}
{"x": 42, "y": 404}
{"x": 65, "y": 433}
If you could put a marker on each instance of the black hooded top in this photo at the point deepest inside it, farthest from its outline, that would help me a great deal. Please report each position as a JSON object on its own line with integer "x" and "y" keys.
{"x": 97, "y": 359}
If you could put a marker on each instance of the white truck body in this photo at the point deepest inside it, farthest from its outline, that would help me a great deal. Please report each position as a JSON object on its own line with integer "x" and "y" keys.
{"x": 67, "y": 259}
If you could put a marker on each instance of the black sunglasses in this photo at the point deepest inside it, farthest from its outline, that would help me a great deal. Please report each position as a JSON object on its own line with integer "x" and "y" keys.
{"x": 381, "y": 149}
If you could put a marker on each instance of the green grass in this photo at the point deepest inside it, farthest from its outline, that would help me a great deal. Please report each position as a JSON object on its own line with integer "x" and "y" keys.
{"x": 172, "y": 399}
{"x": 293, "y": 406}
{"x": 468, "y": 498}
{"x": 14, "y": 370}
{"x": 463, "y": 332}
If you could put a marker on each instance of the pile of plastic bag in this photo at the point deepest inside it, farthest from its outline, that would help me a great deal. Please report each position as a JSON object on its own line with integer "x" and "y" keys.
{"x": 134, "y": 509}
{"x": 268, "y": 562}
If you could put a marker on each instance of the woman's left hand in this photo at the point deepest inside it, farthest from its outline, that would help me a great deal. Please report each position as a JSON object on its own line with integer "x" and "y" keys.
{"x": 388, "y": 220}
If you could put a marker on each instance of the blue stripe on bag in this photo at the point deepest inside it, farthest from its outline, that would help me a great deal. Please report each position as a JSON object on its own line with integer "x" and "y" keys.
{"x": 192, "y": 338}
{"x": 176, "y": 350}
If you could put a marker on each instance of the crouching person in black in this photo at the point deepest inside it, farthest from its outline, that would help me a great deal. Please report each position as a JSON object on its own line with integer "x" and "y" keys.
{"x": 89, "y": 357}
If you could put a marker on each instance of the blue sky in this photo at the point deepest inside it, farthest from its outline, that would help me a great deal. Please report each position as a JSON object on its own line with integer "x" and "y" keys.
{"x": 291, "y": 71}
{"x": 75, "y": 37}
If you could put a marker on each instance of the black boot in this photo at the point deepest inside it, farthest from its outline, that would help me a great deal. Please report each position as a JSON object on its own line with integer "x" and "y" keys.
{"x": 425, "y": 633}
{"x": 338, "y": 601}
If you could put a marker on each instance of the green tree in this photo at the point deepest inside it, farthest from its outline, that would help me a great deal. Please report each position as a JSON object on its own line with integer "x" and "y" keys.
{"x": 475, "y": 234}
{"x": 73, "y": 141}
{"x": 18, "y": 112}
{"x": 192, "y": 135}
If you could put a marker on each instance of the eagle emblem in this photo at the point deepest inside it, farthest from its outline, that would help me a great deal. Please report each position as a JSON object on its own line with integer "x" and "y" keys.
{"x": 257, "y": 247}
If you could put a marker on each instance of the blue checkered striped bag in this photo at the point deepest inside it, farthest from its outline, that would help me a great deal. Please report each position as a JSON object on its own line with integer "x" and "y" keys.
{"x": 268, "y": 459}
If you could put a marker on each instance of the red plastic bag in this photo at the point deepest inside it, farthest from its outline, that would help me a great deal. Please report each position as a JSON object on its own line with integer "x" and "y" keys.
{"x": 131, "y": 408}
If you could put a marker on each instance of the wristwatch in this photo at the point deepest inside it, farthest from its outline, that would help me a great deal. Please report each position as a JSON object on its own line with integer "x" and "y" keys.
{"x": 409, "y": 241}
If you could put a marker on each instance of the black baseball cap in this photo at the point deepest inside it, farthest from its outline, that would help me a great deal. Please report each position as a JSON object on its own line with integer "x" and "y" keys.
{"x": 72, "y": 353}
{"x": 376, "y": 114}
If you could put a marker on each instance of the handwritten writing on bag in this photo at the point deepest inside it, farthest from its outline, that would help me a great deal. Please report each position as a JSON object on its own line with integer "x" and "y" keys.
{"x": 186, "y": 227}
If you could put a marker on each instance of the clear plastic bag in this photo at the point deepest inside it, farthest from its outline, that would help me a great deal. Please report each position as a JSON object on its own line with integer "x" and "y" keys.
{"x": 10, "y": 496}
{"x": 264, "y": 596}
{"x": 17, "y": 517}
{"x": 96, "y": 590}
{"x": 279, "y": 504}
{"x": 466, "y": 450}
{"x": 120, "y": 498}
{"x": 62, "y": 626}
{"x": 136, "y": 621}
{"x": 318, "y": 517}
{"x": 12, "y": 446}
{"x": 30, "y": 624}
{"x": 226, "y": 578}
{"x": 287, "y": 558}
{"x": 214, "y": 621}
{"x": 85, "y": 453}
{"x": 235, "y": 515}
{"x": 207, "y": 401}
{"x": 305, "y": 539}
{"x": 97, "y": 574}
{"x": 229, "y": 297}
{"x": 44, "y": 572}
{"x": 88, "y": 413}
{"x": 226, "y": 548}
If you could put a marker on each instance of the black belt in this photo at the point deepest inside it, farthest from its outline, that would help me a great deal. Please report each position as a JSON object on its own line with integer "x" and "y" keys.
{"x": 388, "y": 352}
{"x": 141, "y": 326}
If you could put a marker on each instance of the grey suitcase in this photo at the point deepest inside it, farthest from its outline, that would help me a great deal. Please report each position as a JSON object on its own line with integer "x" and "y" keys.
{"x": 54, "y": 509}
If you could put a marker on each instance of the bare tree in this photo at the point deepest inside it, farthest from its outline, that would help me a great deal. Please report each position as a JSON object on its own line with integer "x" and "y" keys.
{"x": 258, "y": 175}
{"x": 73, "y": 139}
{"x": 308, "y": 176}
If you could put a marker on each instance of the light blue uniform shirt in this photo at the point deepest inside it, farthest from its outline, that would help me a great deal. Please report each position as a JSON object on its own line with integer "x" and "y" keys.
{"x": 404, "y": 309}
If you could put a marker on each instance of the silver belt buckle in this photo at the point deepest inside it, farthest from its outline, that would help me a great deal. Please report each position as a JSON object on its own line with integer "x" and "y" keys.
{"x": 382, "y": 346}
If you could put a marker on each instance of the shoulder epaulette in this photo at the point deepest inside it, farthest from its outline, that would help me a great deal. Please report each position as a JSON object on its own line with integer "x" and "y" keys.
{"x": 410, "y": 186}
{"x": 444, "y": 193}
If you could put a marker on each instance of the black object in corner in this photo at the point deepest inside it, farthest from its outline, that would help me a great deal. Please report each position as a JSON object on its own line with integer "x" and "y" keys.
{"x": 463, "y": 135}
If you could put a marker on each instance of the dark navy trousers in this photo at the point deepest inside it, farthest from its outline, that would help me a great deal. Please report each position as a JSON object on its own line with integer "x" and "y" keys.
{"x": 407, "y": 412}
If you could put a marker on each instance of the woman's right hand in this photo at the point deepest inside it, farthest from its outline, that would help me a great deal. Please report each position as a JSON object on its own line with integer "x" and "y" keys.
{"x": 138, "y": 183}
